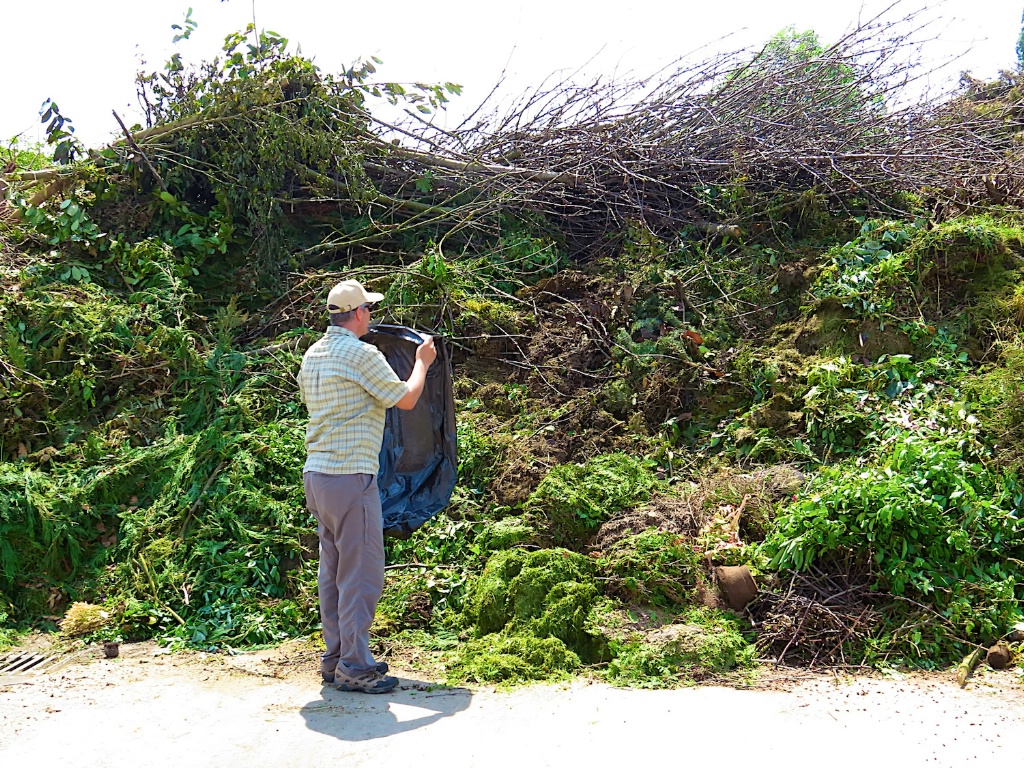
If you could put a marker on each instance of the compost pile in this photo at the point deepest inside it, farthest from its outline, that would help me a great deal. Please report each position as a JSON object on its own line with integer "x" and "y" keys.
{"x": 764, "y": 310}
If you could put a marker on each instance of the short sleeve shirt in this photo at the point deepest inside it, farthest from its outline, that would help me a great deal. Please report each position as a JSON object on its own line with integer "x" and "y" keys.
{"x": 347, "y": 387}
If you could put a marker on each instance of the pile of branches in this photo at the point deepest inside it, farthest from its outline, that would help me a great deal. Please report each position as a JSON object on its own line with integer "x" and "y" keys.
{"x": 818, "y": 616}
{"x": 727, "y": 140}
{"x": 713, "y": 145}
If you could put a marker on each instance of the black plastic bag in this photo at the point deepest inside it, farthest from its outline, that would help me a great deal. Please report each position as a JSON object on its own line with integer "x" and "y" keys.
{"x": 419, "y": 455}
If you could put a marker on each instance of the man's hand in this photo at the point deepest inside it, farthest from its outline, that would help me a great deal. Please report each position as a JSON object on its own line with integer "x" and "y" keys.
{"x": 426, "y": 352}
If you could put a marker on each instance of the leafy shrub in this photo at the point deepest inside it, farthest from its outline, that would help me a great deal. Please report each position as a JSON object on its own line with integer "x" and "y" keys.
{"x": 938, "y": 524}
{"x": 869, "y": 275}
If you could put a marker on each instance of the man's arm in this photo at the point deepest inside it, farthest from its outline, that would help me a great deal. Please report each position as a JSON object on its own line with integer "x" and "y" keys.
{"x": 425, "y": 354}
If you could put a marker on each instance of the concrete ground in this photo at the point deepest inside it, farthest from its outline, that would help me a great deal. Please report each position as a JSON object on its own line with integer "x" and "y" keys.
{"x": 149, "y": 709}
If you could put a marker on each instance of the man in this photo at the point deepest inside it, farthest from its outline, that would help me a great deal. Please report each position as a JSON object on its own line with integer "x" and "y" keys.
{"x": 347, "y": 386}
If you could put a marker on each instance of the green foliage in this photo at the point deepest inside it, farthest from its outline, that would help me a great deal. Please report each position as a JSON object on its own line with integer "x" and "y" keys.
{"x": 235, "y": 492}
{"x": 59, "y": 133}
{"x": 511, "y": 658}
{"x": 999, "y": 395}
{"x": 881, "y": 274}
{"x": 869, "y": 275}
{"x": 479, "y": 454}
{"x": 68, "y": 223}
{"x": 575, "y": 498}
{"x": 1020, "y": 47}
{"x": 26, "y": 155}
{"x": 252, "y": 128}
{"x": 703, "y": 642}
{"x": 93, "y": 353}
{"x": 838, "y": 411}
{"x": 847, "y": 403}
{"x": 449, "y": 541}
{"x": 938, "y": 524}
{"x": 406, "y": 603}
{"x": 718, "y": 282}
{"x": 150, "y": 459}
{"x": 185, "y": 29}
{"x": 520, "y": 257}
{"x": 546, "y": 593}
{"x": 653, "y": 567}
{"x": 8, "y": 634}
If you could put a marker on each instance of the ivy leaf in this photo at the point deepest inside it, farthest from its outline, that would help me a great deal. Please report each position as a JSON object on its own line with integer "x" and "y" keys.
{"x": 425, "y": 183}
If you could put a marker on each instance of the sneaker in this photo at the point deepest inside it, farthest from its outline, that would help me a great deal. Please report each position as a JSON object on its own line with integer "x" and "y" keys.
{"x": 382, "y": 668}
{"x": 369, "y": 682}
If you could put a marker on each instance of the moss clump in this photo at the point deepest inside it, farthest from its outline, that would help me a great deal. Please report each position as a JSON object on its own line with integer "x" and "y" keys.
{"x": 511, "y": 658}
{"x": 653, "y": 567}
{"x": 548, "y": 593}
{"x": 702, "y": 643}
{"x": 574, "y": 499}
{"x": 159, "y": 551}
{"x": 495, "y": 314}
{"x": 503, "y": 534}
{"x": 1000, "y": 397}
{"x": 963, "y": 246}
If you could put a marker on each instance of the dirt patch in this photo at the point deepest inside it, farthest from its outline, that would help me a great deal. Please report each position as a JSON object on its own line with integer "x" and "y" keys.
{"x": 172, "y": 710}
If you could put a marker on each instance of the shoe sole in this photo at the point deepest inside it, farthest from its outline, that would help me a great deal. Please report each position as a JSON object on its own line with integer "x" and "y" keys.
{"x": 356, "y": 689}
{"x": 382, "y": 667}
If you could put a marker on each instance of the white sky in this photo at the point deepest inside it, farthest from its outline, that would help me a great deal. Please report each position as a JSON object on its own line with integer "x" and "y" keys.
{"x": 84, "y": 53}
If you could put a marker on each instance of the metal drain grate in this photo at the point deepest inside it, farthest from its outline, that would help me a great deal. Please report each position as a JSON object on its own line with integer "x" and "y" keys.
{"x": 23, "y": 666}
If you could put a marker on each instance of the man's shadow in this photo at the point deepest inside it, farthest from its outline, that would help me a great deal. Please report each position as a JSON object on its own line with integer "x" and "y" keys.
{"x": 363, "y": 716}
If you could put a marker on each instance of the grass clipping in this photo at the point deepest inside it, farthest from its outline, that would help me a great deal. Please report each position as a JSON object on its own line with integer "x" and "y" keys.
{"x": 83, "y": 618}
{"x": 530, "y": 612}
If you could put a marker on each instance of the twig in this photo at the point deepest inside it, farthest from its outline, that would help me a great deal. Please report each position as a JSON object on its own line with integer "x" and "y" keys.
{"x": 397, "y": 566}
{"x": 136, "y": 148}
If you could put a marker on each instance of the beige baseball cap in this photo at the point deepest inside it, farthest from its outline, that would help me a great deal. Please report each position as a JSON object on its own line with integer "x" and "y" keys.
{"x": 349, "y": 294}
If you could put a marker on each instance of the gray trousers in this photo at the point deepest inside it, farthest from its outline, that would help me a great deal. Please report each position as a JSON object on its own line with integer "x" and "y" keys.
{"x": 351, "y": 578}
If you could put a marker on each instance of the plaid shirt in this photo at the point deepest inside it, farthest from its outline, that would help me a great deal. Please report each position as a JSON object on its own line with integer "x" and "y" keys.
{"x": 347, "y": 387}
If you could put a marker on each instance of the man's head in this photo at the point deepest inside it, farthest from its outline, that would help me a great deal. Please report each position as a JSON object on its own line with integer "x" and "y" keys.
{"x": 349, "y": 304}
